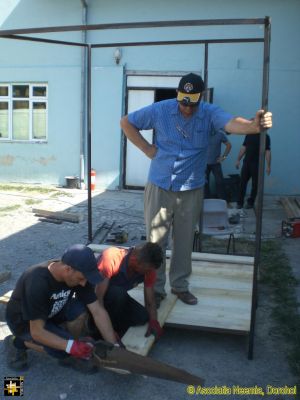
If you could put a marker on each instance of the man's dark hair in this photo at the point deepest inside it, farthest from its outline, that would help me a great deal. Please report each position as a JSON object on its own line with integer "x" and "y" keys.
{"x": 151, "y": 253}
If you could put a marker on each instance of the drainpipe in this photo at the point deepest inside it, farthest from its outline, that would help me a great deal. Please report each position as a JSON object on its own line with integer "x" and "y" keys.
{"x": 83, "y": 97}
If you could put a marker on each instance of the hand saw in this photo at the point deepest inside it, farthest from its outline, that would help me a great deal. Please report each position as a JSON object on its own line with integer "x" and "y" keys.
{"x": 106, "y": 355}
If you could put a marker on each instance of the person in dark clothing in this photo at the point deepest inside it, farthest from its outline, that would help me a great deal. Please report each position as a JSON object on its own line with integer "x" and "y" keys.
{"x": 123, "y": 269}
{"x": 214, "y": 161}
{"x": 42, "y": 305}
{"x": 250, "y": 152}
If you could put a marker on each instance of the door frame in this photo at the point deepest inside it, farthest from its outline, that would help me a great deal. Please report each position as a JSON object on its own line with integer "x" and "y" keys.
{"x": 149, "y": 74}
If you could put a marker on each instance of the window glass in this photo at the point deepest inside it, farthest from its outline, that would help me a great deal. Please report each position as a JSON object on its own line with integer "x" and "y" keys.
{"x": 39, "y": 112}
{"x": 3, "y": 119}
{"x": 3, "y": 90}
{"x": 39, "y": 91}
{"x": 20, "y": 117}
{"x": 20, "y": 90}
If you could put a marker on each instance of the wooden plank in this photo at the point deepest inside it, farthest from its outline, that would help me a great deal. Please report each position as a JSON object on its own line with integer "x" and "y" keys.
{"x": 223, "y": 286}
{"x": 224, "y": 258}
{"x": 4, "y": 330}
{"x": 215, "y": 310}
{"x": 221, "y": 270}
{"x": 51, "y": 220}
{"x": 297, "y": 201}
{"x": 135, "y": 340}
{"x": 65, "y": 216}
{"x": 290, "y": 207}
{"x": 221, "y": 264}
{"x": 5, "y": 298}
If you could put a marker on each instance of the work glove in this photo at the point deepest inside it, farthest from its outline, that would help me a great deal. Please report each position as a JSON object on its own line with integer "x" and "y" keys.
{"x": 154, "y": 329}
{"x": 80, "y": 349}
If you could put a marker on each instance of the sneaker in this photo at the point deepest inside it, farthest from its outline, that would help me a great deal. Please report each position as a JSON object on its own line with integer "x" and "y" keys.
{"x": 84, "y": 366}
{"x": 186, "y": 297}
{"x": 16, "y": 358}
{"x": 158, "y": 298}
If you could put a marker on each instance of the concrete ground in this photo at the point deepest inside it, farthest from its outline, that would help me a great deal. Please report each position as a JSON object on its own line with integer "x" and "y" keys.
{"x": 221, "y": 359}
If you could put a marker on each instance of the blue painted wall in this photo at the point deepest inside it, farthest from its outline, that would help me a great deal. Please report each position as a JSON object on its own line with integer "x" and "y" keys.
{"x": 235, "y": 72}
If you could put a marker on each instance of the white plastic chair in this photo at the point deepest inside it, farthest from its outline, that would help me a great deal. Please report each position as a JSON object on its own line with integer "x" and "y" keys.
{"x": 215, "y": 220}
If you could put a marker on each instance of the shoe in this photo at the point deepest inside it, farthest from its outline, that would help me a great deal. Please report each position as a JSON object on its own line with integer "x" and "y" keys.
{"x": 84, "y": 366}
{"x": 249, "y": 206}
{"x": 158, "y": 297}
{"x": 186, "y": 297}
{"x": 239, "y": 206}
{"x": 16, "y": 358}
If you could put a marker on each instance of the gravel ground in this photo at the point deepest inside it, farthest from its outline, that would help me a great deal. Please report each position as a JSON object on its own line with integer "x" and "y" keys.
{"x": 220, "y": 359}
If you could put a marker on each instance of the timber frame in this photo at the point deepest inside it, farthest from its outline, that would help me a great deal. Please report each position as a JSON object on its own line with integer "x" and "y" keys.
{"x": 17, "y": 34}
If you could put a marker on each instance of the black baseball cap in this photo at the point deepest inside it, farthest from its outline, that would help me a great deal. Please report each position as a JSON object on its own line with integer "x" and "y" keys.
{"x": 190, "y": 88}
{"x": 81, "y": 258}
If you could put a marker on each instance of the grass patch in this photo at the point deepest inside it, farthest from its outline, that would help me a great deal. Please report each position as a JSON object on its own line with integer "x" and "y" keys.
{"x": 10, "y": 208}
{"x": 33, "y": 189}
{"x": 213, "y": 244}
{"x": 276, "y": 272}
{"x": 30, "y": 202}
{"x": 25, "y": 188}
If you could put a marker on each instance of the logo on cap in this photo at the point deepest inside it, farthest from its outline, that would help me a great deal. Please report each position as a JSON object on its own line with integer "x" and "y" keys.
{"x": 188, "y": 87}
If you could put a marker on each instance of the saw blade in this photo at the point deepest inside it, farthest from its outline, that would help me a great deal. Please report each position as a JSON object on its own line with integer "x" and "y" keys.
{"x": 111, "y": 357}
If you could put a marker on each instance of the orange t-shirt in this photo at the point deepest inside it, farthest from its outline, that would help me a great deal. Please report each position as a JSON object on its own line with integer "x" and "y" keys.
{"x": 109, "y": 264}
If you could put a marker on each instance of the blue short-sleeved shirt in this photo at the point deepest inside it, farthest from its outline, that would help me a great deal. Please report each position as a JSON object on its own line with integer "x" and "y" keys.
{"x": 182, "y": 143}
{"x": 214, "y": 145}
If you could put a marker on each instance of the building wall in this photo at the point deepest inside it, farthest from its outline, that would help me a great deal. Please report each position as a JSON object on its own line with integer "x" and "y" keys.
{"x": 235, "y": 72}
{"x": 59, "y": 67}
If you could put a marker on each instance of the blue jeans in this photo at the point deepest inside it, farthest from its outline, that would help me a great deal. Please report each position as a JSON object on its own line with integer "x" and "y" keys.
{"x": 72, "y": 310}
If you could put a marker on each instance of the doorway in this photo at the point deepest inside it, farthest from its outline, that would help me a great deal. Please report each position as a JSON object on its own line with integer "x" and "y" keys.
{"x": 143, "y": 91}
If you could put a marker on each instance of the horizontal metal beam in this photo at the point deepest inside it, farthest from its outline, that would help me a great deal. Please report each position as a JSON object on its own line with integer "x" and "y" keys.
{"x": 133, "y": 25}
{"x": 174, "y": 42}
{"x": 35, "y": 39}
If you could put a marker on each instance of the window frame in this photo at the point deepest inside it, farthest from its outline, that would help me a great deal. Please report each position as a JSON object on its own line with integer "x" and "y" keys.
{"x": 31, "y": 99}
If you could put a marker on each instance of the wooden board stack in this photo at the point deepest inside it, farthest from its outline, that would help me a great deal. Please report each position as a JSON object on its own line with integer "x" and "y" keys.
{"x": 223, "y": 285}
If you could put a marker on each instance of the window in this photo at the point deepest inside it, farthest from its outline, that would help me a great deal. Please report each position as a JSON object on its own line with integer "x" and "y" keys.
{"x": 23, "y": 112}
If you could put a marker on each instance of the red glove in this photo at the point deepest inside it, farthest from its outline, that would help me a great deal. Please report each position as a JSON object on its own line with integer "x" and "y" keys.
{"x": 79, "y": 349}
{"x": 154, "y": 329}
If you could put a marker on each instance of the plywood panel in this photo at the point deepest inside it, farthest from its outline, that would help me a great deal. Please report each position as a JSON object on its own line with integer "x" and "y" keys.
{"x": 135, "y": 339}
{"x": 219, "y": 258}
{"x": 223, "y": 286}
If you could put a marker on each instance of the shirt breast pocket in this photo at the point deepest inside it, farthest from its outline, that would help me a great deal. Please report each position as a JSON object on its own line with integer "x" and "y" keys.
{"x": 200, "y": 139}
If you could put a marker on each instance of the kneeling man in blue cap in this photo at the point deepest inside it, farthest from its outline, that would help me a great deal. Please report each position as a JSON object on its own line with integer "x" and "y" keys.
{"x": 47, "y": 297}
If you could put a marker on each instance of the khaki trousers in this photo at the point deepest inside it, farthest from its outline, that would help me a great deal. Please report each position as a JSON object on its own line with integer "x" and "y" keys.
{"x": 180, "y": 211}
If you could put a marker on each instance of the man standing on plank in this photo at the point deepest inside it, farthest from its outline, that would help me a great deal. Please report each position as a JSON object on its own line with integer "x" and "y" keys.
{"x": 174, "y": 192}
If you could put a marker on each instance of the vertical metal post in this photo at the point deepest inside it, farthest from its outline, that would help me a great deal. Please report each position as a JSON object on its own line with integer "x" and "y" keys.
{"x": 89, "y": 140}
{"x": 206, "y": 70}
{"x": 260, "y": 188}
{"x": 205, "y": 75}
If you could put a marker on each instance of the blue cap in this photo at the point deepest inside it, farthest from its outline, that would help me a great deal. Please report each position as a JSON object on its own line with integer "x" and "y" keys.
{"x": 81, "y": 258}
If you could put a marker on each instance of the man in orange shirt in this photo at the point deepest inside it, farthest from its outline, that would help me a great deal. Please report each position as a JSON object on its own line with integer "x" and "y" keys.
{"x": 123, "y": 269}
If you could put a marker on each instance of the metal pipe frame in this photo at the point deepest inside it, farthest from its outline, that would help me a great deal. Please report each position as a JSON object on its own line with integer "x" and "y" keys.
{"x": 260, "y": 185}
{"x": 176, "y": 42}
{"x": 15, "y": 34}
{"x": 134, "y": 25}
